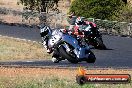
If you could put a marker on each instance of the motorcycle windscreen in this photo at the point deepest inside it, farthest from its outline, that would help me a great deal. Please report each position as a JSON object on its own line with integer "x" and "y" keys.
{"x": 69, "y": 39}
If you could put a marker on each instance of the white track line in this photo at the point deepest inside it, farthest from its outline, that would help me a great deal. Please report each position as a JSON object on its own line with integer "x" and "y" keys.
{"x": 27, "y": 40}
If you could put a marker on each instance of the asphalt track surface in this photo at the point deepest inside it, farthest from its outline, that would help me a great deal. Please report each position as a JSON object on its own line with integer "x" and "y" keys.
{"x": 118, "y": 55}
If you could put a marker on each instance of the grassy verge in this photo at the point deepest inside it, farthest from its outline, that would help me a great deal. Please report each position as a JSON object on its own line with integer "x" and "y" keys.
{"x": 52, "y": 78}
{"x": 53, "y": 82}
{"x": 12, "y": 49}
{"x": 38, "y": 78}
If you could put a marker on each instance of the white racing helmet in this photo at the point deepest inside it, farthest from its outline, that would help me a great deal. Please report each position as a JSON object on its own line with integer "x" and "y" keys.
{"x": 45, "y": 31}
{"x": 80, "y": 20}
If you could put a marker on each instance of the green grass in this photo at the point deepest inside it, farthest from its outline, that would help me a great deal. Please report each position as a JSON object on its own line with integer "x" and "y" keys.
{"x": 115, "y": 85}
{"x": 53, "y": 82}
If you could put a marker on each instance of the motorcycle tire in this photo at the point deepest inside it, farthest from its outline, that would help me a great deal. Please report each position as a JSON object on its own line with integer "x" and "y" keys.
{"x": 64, "y": 54}
{"x": 100, "y": 44}
{"x": 91, "y": 58}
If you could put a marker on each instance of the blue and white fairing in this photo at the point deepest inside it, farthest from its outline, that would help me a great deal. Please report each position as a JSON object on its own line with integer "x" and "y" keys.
{"x": 78, "y": 50}
{"x": 58, "y": 36}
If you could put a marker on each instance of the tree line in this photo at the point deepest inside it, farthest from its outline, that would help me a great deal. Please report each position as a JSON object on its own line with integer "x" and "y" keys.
{"x": 100, "y": 9}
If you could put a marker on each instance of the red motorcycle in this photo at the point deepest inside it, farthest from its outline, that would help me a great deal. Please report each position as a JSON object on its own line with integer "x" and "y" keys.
{"x": 89, "y": 32}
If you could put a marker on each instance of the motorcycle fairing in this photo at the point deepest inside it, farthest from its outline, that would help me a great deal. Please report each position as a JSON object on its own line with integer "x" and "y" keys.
{"x": 78, "y": 50}
{"x": 55, "y": 38}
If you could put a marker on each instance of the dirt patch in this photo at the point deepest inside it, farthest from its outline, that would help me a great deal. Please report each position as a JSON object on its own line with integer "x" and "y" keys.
{"x": 11, "y": 18}
{"x": 61, "y": 73}
{"x": 38, "y": 73}
{"x": 12, "y": 4}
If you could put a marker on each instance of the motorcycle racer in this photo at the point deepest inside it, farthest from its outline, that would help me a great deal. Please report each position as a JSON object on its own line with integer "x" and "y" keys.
{"x": 45, "y": 34}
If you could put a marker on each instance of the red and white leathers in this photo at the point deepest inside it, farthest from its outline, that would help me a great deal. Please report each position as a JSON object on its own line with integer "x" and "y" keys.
{"x": 90, "y": 23}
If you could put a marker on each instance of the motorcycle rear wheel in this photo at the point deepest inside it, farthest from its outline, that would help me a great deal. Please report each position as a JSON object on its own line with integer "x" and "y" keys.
{"x": 64, "y": 54}
{"x": 100, "y": 44}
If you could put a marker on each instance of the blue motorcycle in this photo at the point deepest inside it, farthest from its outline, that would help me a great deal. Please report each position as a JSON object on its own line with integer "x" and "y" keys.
{"x": 65, "y": 46}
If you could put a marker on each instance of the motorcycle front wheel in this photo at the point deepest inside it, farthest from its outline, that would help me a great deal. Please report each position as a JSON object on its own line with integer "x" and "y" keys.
{"x": 62, "y": 51}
